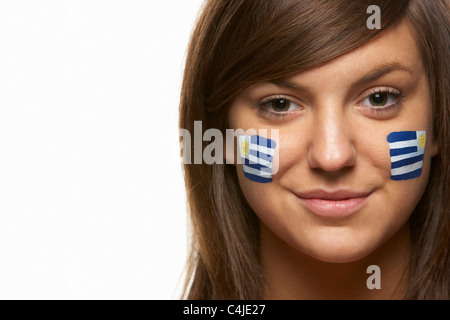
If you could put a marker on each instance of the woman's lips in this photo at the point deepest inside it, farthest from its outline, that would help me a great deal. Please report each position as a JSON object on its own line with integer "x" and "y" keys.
{"x": 335, "y": 203}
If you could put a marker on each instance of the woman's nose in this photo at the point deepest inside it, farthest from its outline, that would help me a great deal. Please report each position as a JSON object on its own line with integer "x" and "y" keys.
{"x": 332, "y": 147}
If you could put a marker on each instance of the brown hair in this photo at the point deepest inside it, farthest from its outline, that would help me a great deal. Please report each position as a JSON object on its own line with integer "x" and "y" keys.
{"x": 237, "y": 43}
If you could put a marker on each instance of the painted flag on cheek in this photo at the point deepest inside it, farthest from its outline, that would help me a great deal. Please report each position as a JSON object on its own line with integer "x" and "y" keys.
{"x": 257, "y": 155}
{"x": 406, "y": 149}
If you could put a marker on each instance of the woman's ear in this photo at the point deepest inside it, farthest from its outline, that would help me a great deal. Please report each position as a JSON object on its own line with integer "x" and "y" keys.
{"x": 434, "y": 148}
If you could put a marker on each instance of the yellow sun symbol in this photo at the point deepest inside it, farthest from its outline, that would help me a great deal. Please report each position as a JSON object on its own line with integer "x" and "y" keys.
{"x": 245, "y": 148}
{"x": 422, "y": 141}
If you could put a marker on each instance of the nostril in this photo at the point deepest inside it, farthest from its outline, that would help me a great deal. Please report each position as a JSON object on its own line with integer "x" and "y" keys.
{"x": 332, "y": 157}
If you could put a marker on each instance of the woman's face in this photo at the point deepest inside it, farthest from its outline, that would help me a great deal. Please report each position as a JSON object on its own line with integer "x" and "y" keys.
{"x": 333, "y": 197}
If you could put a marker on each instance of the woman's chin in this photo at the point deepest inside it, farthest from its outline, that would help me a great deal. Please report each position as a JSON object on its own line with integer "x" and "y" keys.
{"x": 345, "y": 255}
{"x": 338, "y": 250}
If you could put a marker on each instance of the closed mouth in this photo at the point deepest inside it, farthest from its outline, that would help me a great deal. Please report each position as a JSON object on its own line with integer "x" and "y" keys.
{"x": 340, "y": 203}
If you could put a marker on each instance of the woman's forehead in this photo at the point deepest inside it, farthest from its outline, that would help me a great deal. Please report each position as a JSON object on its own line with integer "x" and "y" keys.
{"x": 395, "y": 49}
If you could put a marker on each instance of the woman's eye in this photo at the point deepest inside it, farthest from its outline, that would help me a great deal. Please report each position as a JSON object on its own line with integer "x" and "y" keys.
{"x": 380, "y": 99}
{"x": 280, "y": 105}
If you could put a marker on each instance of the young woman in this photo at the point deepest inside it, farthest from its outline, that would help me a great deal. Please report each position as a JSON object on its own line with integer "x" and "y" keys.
{"x": 349, "y": 102}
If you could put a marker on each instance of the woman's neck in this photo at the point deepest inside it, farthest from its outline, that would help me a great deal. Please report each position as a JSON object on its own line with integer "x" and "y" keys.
{"x": 290, "y": 274}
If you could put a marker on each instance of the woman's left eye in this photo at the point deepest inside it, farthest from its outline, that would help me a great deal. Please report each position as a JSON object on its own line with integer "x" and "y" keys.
{"x": 381, "y": 99}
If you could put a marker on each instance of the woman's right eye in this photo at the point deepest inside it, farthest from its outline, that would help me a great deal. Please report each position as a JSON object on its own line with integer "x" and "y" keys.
{"x": 279, "y": 105}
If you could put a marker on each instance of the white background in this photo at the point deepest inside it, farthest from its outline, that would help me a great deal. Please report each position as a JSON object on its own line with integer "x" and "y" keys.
{"x": 92, "y": 202}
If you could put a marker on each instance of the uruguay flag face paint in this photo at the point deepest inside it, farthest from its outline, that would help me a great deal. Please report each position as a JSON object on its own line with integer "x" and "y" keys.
{"x": 406, "y": 152}
{"x": 257, "y": 155}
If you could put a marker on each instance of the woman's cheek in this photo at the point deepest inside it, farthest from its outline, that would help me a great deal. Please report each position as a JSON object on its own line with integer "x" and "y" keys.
{"x": 269, "y": 199}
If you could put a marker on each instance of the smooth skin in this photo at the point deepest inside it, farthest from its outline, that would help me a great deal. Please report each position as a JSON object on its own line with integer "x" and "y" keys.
{"x": 333, "y": 122}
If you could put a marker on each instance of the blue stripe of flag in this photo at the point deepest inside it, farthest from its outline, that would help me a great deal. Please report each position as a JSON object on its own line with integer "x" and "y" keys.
{"x": 256, "y": 178}
{"x": 261, "y": 141}
{"x": 402, "y": 136}
{"x": 256, "y": 166}
{"x": 260, "y": 155}
{"x": 406, "y": 162}
{"x": 407, "y": 176}
{"x": 400, "y": 151}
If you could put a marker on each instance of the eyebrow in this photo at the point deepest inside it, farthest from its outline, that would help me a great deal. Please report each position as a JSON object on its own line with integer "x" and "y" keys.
{"x": 383, "y": 70}
{"x": 373, "y": 75}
